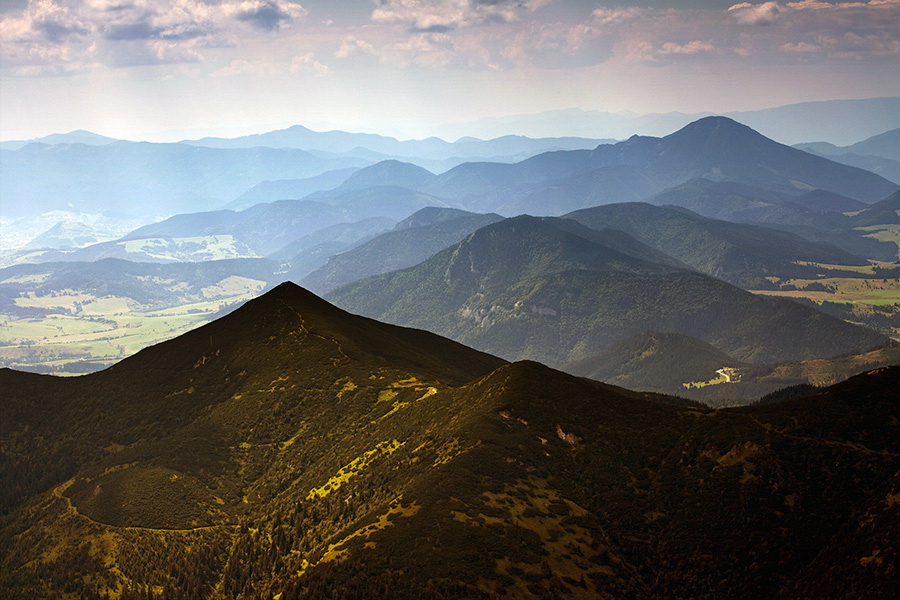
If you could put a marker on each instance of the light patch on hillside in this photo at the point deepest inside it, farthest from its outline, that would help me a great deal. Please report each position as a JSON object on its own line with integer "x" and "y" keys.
{"x": 233, "y": 285}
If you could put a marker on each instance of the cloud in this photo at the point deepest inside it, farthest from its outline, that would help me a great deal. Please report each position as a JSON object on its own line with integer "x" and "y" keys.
{"x": 441, "y": 16}
{"x": 756, "y": 14}
{"x": 692, "y": 47}
{"x": 134, "y": 32}
{"x": 270, "y": 15}
{"x": 353, "y": 46}
{"x": 308, "y": 64}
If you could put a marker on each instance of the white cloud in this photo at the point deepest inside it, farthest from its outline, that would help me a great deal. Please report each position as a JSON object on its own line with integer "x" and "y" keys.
{"x": 756, "y": 14}
{"x": 438, "y": 16}
{"x": 353, "y": 46}
{"x": 692, "y": 47}
{"x": 308, "y": 64}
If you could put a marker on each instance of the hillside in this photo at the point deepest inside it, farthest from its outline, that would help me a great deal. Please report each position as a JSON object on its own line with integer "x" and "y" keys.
{"x": 721, "y": 149}
{"x": 742, "y": 254}
{"x": 408, "y": 245}
{"x": 293, "y": 450}
{"x": 529, "y": 288}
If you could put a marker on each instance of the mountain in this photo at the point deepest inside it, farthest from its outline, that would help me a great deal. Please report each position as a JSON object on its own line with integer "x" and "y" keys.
{"x": 879, "y": 154}
{"x": 883, "y": 145}
{"x": 290, "y": 189}
{"x": 886, "y": 212}
{"x": 681, "y": 365}
{"x": 837, "y": 121}
{"x": 655, "y": 361}
{"x": 293, "y": 450}
{"x": 79, "y": 136}
{"x": 430, "y": 149}
{"x": 144, "y": 179}
{"x": 539, "y": 289}
{"x": 741, "y": 254}
{"x": 714, "y": 148}
{"x": 606, "y": 185}
{"x": 414, "y": 240}
{"x": 721, "y": 149}
{"x": 65, "y": 234}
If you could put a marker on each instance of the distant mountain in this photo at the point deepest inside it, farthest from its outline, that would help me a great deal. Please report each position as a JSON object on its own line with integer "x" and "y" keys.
{"x": 837, "y": 121}
{"x": 530, "y": 288}
{"x": 883, "y": 145}
{"x": 430, "y": 149}
{"x": 825, "y": 201}
{"x": 721, "y": 149}
{"x": 143, "y": 179}
{"x": 290, "y": 189}
{"x": 294, "y": 450}
{"x": 66, "y": 234}
{"x": 886, "y": 212}
{"x": 606, "y": 185}
{"x": 79, "y": 136}
{"x": 415, "y": 239}
{"x": 264, "y": 228}
{"x": 744, "y": 255}
{"x": 714, "y": 148}
{"x": 879, "y": 154}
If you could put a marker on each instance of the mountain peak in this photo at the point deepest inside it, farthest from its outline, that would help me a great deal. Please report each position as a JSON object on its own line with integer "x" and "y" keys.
{"x": 719, "y": 126}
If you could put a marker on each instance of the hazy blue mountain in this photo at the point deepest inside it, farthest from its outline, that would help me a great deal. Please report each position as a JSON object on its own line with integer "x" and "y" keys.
{"x": 879, "y": 154}
{"x": 144, "y": 179}
{"x": 430, "y": 215}
{"x": 415, "y": 239}
{"x": 525, "y": 288}
{"x": 64, "y": 235}
{"x": 79, "y": 136}
{"x": 348, "y": 234}
{"x": 714, "y": 148}
{"x": 391, "y": 201}
{"x": 825, "y": 201}
{"x": 741, "y": 254}
{"x": 369, "y": 146}
{"x": 883, "y": 145}
{"x": 837, "y": 121}
{"x": 606, "y": 185}
{"x": 721, "y": 149}
{"x": 290, "y": 189}
{"x": 384, "y": 173}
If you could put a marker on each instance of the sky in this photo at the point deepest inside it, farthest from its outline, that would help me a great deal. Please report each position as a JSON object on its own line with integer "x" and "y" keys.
{"x": 164, "y": 70}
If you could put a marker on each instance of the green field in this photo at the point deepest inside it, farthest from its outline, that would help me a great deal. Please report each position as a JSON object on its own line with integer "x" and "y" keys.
{"x": 90, "y": 332}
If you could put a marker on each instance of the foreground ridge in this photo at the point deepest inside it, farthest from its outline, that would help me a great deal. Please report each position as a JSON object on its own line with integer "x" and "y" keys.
{"x": 293, "y": 450}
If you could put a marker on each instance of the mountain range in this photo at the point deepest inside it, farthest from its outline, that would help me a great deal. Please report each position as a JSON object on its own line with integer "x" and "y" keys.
{"x": 839, "y": 122}
{"x": 555, "y": 291}
{"x": 293, "y": 450}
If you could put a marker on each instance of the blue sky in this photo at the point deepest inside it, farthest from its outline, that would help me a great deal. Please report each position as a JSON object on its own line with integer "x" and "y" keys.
{"x": 165, "y": 69}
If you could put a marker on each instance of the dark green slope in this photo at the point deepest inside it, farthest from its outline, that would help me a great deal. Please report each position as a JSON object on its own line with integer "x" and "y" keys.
{"x": 398, "y": 249}
{"x": 741, "y": 254}
{"x": 524, "y": 288}
{"x": 654, "y": 361}
{"x": 291, "y": 450}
